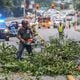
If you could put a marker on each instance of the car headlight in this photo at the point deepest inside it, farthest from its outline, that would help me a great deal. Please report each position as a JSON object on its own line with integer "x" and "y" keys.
{"x": 49, "y": 23}
{"x": 6, "y": 30}
{"x": 32, "y": 24}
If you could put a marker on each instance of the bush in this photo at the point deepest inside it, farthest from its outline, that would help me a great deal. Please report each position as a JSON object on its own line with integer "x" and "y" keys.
{"x": 58, "y": 59}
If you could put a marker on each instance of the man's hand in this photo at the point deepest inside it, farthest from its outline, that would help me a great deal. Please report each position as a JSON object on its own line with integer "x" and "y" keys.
{"x": 22, "y": 40}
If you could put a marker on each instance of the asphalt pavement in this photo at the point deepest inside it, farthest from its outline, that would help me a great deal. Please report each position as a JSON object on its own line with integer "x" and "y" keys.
{"x": 45, "y": 34}
{"x": 53, "y": 33}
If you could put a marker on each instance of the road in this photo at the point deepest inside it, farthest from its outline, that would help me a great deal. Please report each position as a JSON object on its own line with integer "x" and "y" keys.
{"x": 70, "y": 33}
{"x": 46, "y": 33}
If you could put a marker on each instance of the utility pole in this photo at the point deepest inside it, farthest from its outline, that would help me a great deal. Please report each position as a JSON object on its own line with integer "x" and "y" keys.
{"x": 23, "y": 7}
{"x": 24, "y": 10}
{"x": 35, "y": 10}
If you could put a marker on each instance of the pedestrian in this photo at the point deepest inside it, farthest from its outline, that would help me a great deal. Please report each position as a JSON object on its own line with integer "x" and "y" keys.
{"x": 61, "y": 30}
{"x": 69, "y": 24}
{"x": 16, "y": 25}
{"x": 25, "y": 35}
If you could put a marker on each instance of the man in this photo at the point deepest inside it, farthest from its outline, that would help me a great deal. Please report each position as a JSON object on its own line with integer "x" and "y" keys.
{"x": 16, "y": 25}
{"x": 25, "y": 36}
{"x": 61, "y": 30}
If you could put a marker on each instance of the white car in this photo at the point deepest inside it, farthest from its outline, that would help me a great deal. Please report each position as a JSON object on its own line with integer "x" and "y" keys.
{"x": 66, "y": 12}
{"x": 57, "y": 22}
{"x": 70, "y": 17}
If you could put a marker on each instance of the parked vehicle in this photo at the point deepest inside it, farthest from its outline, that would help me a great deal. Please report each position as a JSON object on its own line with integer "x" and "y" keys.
{"x": 4, "y": 31}
{"x": 44, "y": 22}
{"x": 13, "y": 27}
{"x": 57, "y": 22}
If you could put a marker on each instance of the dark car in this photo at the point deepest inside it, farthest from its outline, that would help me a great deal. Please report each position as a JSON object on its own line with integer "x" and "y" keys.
{"x": 4, "y": 31}
{"x": 13, "y": 28}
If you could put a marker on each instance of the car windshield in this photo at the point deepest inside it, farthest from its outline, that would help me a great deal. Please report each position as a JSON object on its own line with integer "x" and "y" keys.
{"x": 70, "y": 14}
{"x": 58, "y": 20}
{"x": 2, "y": 25}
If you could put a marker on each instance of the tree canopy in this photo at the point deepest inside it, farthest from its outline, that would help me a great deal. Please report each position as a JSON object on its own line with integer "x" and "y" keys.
{"x": 5, "y": 3}
{"x": 76, "y": 4}
{"x": 45, "y": 3}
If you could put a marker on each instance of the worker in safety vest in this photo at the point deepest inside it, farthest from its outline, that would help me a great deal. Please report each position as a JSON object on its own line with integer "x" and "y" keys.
{"x": 61, "y": 30}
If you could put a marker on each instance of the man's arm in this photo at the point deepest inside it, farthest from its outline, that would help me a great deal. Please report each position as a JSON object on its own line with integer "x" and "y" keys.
{"x": 19, "y": 36}
{"x": 32, "y": 33}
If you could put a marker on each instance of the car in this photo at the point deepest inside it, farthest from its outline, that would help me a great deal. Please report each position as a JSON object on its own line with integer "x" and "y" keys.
{"x": 4, "y": 31}
{"x": 13, "y": 28}
{"x": 57, "y": 22}
{"x": 70, "y": 17}
{"x": 44, "y": 22}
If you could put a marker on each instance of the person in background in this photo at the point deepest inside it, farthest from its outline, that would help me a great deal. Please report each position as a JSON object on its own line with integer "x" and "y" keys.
{"x": 16, "y": 25}
{"x": 25, "y": 36}
{"x": 61, "y": 30}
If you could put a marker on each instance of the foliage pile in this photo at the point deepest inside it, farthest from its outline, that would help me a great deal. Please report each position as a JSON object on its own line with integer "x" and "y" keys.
{"x": 57, "y": 59}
